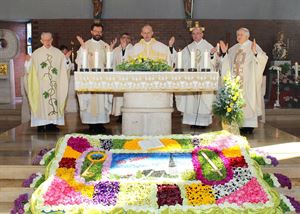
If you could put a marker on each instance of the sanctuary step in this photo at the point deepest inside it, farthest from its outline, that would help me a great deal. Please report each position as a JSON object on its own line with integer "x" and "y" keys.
{"x": 10, "y": 116}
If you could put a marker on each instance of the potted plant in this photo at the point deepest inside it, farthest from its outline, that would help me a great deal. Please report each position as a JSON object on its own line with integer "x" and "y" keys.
{"x": 229, "y": 103}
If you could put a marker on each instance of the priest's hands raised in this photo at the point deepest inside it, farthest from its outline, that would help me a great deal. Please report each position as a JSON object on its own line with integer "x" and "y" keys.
{"x": 80, "y": 40}
{"x": 253, "y": 47}
{"x": 223, "y": 46}
{"x": 113, "y": 44}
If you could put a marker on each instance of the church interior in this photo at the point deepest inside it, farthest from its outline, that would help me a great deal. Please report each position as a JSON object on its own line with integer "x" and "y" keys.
{"x": 273, "y": 25}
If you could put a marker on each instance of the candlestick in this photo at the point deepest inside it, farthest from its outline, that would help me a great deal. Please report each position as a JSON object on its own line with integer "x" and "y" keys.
{"x": 193, "y": 59}
{"x": 296, "y": 71}
{"x": 84, "y": 58}
{"x": 179, "y": 60}
{"x": 206, "y": 58}
{"x": 96, "y": 60}
{"x": 218, "y": 48}
{"x": 108, "y": 59}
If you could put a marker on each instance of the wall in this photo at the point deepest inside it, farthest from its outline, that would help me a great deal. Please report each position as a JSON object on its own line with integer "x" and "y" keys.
{"x": 20, "y": 30}
{"x": 142, "y": 9}
{"x": 264, "y": 31}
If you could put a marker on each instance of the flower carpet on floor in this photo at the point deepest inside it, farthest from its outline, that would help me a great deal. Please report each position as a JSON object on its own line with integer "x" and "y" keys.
{"x": 207, "y": 173}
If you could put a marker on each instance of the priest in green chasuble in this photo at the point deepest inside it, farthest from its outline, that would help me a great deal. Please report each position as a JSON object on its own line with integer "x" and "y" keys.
{"x": 149, "y": 47}
{"x": 47, "y": 84}
{"x": 247, "y": 60}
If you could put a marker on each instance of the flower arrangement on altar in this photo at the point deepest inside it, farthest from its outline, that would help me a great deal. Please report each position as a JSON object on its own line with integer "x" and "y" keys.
{"x": 144, "y": 64}
{"x": 229, "y": 103}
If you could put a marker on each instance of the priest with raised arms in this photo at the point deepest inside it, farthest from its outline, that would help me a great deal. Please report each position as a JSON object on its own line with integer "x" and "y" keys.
{"x": 196, "y": 108}
{"x": 95, "y": 108}
{"x": 247, "y": 60}
{"x": 46, "y": 81}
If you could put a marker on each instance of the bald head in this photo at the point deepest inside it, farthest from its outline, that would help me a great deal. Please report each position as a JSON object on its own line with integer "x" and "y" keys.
{"x": 242, "y": 35}
{"x": 147, "y": 32}
{"x": 46, "y": 39}
{"x": 197, "y": 34}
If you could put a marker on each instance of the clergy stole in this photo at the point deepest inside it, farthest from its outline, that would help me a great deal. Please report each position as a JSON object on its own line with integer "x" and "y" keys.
{"x": 152, "y": 50}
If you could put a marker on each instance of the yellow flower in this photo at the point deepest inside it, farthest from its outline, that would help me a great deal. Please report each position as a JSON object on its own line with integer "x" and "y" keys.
{"x": 71, "y": 153}
{"x": 229, "y": 109}
{"x": 231, "y": 152}
{"x": 231, "y": 104}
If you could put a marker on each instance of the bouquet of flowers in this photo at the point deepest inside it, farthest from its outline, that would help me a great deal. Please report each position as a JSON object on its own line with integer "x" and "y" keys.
{"x": 229, "y": 103}
{"x": 144, "y": 64}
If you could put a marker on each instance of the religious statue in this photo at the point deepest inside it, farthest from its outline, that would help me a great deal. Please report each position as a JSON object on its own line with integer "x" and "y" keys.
{"x": 188, "y": 8}
{"x": 98, "y": 4}
{"x": 280, "y": 48}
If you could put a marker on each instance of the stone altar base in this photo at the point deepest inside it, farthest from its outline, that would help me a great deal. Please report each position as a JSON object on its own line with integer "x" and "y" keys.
{"x": 147, "y": 114}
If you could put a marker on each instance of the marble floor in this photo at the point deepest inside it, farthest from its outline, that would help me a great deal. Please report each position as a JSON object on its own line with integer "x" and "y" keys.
{"x": 20, "y": 144}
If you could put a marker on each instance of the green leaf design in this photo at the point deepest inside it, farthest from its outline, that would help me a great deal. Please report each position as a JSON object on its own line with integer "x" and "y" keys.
{"x": 44, "y": 64}
{"x": 54, "y": 71}
{"x": 46, "y": 94}
{"x": 55, "y": 102}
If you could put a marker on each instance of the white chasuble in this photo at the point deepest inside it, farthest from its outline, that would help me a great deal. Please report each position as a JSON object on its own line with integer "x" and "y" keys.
{"x": 47, "y": 86}
{"x": 119, "y": 56}
{"x": 94, "y": 107}
{"x": 197, "y": 107}
{"x": 241, "y": 61}
{"x": 153, "y": 50}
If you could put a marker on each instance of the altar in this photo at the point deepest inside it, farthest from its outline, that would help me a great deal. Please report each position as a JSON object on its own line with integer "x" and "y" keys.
{"x": 148, "y": 96}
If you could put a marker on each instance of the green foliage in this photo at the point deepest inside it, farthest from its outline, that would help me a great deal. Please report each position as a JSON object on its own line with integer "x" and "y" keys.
{"x": 185, "y": 143}
{"x": 188, "y": 175}
{"x": 44, "y": 64}
{"x": 54, "y": 71}
{"x": 46, "y": 94}
{"x": 118, "y": 143}
{"x": 94, "y": 172}
{"x": 208, "y": 172}
{"x": 229, "y": 103}
{"x": 284, "y": 207}
{"x": 144, "y": 64}
{"x": 259, "y": 159}
{"x": 49, "y": 158}
{"x": 268, "y": 179}
{"x": 39, "y": 182}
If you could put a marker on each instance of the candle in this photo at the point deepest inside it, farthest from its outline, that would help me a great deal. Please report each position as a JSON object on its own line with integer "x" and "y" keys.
{"x": 296, "y": 71}
{"x": 179, "y": 59}
{"x": 108, "y": 59}
{"x": 206, "y": 58}
{"x": 218, "y": 48}
{"x": 84, "y": 58}
{"x": 193, "y": 59}
{"x": 96, "y": 59}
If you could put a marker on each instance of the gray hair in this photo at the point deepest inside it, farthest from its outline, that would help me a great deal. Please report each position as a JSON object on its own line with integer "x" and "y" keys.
{"x": 46, "y": 34}
{"x": 246, "y": 31}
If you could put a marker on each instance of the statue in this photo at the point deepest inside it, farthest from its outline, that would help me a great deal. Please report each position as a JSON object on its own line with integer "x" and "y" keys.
{"x": 280, "y": 48}
{"x": 97, "y": 11}
{"x": 188, "y": 8}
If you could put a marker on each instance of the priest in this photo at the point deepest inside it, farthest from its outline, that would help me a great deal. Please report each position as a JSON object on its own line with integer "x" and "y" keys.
{"x": 95, "y": 108}
{"x": 47, "y": 85}
{"x": 120, "y": 54}
{"x": 149, "y": 47}
{"x": 247, "y": 60}
{"x": 196, "y": 108}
